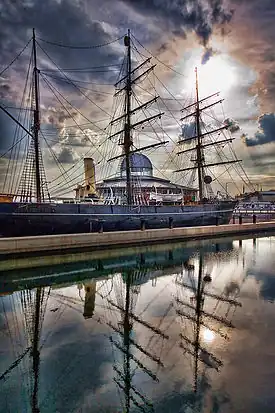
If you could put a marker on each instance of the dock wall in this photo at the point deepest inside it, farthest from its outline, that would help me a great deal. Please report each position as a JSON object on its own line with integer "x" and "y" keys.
{"x": 109, "y": 239}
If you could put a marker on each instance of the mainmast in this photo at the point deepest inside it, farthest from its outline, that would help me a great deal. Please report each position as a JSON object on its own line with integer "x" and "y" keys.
{"x": 128, "y": 81}
{"x": 127, "y": 132}
{"x": 36, "y": 123}
{"x": 198, "y": 147}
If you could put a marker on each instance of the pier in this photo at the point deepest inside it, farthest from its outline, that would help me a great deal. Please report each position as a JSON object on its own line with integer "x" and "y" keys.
{"x": 107, "y": 240}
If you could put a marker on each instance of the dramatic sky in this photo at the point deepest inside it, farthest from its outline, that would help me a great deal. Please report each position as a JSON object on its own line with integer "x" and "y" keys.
{"x": 231, "y": 41}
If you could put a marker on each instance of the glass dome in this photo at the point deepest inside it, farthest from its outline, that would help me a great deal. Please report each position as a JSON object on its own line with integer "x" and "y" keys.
{"x": 140, "y": 165}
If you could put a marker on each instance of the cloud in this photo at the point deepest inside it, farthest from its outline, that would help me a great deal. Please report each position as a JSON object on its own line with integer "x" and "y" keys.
{"x": 232, "y": 125}
{"x": 67, "y": 155}
{"x": 189, "y": 130}
{"x": 266, "y": 132}
{"x": 208, "y": 53}
{"x": 181, "y": 16}
{"x": 251, "y": 41}
{"x": 57, "y": 116}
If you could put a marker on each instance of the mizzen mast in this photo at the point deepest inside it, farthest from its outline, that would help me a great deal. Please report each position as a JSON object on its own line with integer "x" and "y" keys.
{"x": 198, "y": 137}
{"x": 198, "y": 147}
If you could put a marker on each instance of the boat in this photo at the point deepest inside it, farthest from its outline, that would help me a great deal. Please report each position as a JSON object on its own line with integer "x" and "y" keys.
{"x": 139, "y": 205}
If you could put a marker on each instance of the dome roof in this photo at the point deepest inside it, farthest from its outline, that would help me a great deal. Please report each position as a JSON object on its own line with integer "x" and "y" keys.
{"x": 139, "y": 164}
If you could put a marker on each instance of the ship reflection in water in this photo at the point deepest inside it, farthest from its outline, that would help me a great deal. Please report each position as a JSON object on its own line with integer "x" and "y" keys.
{"x": 183, "y": 328}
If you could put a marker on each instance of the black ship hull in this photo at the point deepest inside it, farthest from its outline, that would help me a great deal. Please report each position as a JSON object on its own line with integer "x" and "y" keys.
{"x": 19, "y": 219}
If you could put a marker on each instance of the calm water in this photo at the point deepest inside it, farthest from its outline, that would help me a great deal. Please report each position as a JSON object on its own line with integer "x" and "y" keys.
{"x": 175, "y": 328}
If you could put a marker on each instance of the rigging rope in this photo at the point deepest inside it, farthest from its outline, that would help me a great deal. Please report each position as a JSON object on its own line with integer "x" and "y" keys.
{"x": 81, "y": 47}
{"x": 16, "y": 143}
{"x": 148, "y": 51}
{"x": 83, "y": 94}
{"x": 18, "y": 55}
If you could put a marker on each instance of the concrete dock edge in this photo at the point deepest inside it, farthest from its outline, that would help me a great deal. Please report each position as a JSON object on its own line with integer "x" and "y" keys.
{"x": 109, "y": 239}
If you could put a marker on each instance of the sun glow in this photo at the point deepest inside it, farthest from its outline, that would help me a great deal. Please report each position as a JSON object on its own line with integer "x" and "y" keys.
{"x": 217, "y": 74}
{"x": 208, "y": 335}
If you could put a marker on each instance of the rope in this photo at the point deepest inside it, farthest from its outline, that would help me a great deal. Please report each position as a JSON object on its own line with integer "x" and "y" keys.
{"x": 19, "y": 54}
{"x": 164, "y": 64}
{"x": 82, "y": 47}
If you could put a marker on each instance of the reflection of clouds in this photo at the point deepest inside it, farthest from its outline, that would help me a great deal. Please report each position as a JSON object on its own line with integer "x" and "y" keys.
{"x": 77, "y": 359}
{"x": 266, "y": 284}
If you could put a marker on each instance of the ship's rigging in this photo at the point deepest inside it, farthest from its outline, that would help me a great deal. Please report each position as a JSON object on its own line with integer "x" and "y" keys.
{"x": 33, "y": 182}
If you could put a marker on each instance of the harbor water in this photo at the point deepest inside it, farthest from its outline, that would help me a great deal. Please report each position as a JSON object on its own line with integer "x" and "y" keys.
{"x": 185, "y": 327}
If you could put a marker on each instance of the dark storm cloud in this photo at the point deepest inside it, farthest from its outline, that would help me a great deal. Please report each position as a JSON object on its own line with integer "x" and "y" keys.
{"x": 266, "y": 132}
{"x": 267, "y": 286}
{"x": 232, "y": 125}
{"x": 181, "y": 16}
{"x": 209, "y": 52}
{"x": 64, "y": 22}
{"x": 188, "y": 130}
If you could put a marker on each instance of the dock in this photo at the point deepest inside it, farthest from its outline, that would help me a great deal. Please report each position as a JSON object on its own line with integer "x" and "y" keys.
{"x": 107, "y": 240}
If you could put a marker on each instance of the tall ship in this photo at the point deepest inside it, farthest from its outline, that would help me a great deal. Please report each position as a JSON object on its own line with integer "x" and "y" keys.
{"x": 134, "y": 198}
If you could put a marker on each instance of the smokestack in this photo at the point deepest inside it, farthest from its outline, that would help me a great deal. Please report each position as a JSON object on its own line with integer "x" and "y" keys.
{"x": 89, "y": 168}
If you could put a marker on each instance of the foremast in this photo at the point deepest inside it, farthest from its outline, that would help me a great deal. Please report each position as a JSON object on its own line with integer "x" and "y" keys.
{"x": 125, "y": 84}
{"x": 199, "y": 148}
{"x": 33, "y": 170}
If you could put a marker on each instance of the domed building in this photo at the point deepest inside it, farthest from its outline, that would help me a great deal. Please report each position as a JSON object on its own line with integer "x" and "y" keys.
{"x": 140, "y": 165}
{"x": 147, "y": 188}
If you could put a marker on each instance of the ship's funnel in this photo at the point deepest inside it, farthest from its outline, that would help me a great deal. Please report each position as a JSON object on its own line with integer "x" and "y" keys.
{"x": 89, "y": 305}
{"x": 89, "y": 168}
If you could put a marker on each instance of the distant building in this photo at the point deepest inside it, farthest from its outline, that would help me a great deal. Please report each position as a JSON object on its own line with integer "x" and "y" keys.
{"x": 261, "y": 196}
{"x": 145, "y": 184}
{"x": 267, "y": 195}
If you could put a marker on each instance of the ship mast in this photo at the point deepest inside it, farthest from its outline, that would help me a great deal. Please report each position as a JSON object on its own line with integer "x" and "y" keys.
{"x": 36, "y": 123}
{"x": 127, "y": 82}
{"x": 200, "y": 161}
{"x": 198, "y": 147}
{"x": 127, "y": 131}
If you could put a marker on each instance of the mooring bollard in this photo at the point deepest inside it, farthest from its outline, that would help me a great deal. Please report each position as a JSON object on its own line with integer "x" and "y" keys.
{"x": 240, "y": 219}
{"x": 142, "y": 225}
{"x": 171, "y": 223}
{"x": 100, "y": 227}
{"x": 217, "y": 220}
{"x": 254, "y": 218}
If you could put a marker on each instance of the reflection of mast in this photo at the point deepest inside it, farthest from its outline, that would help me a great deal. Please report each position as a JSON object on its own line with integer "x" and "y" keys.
{"x": 35, "y": 350}
{"x": 124, "y": 378}
{"x": 34, "y": 306}
{"x": 198, "y": 352}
